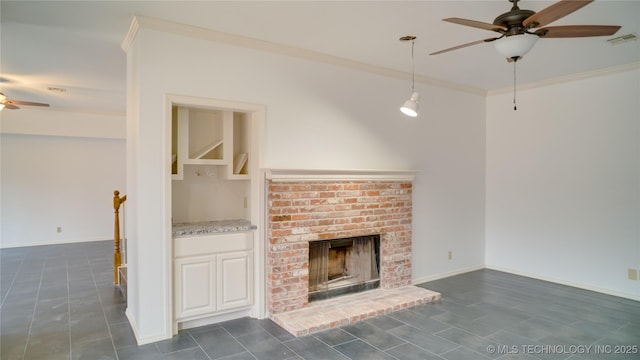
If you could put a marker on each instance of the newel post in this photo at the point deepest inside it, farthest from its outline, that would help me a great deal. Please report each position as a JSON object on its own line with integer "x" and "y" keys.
{"x": 117, "y": 261}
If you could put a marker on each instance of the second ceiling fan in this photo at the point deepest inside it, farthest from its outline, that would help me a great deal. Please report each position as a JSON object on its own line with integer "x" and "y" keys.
{"x": 13, "y": 104}
{"x": 516, "y": 28}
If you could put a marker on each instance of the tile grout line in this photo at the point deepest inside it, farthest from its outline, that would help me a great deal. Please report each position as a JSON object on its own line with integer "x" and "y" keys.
{"x": 199, "y": 346}
{"x": 33, "y": 315}
{"x": 377, "y": 348}
{"x": 13, "y": 281}
{"x": 69, "y": 311}
{"x": 236, "y": 340}
{"x": 104, "y": 315}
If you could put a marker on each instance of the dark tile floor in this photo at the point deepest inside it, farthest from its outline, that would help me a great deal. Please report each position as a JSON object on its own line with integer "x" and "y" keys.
{"x": 58, "y": 302}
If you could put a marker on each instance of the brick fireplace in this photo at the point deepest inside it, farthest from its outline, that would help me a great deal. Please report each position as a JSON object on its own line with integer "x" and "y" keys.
{"x": 303, "y": 210}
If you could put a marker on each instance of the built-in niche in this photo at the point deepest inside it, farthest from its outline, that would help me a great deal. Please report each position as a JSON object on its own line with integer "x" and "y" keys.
{"x": 210, "y": 164}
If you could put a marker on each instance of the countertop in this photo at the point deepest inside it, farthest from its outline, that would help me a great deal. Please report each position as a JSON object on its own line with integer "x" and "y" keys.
{"x": 211, "y": 227}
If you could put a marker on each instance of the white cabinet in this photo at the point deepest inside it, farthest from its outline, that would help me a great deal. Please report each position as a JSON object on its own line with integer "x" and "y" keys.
{"x": 217, "y": 137}
{"x": 235, "y": 280}
{"x": 213, "y": 274}
{"x": 196, "y": 279}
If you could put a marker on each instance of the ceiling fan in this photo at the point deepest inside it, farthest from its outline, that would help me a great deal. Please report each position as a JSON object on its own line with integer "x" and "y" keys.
{"x": 516, "y": 28}
{"x": 12, "y": 104}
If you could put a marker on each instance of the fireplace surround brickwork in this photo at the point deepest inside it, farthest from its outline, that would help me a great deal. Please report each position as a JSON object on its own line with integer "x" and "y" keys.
{"x": 304, "y": 211}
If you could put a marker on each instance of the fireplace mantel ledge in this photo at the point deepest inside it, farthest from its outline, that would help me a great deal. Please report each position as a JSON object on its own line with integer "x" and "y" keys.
{"x": 338, "y": 174}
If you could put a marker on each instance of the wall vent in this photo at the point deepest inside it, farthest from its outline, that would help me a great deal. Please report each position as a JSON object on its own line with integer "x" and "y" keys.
{"x": 56, "y": 89}
{"x": 623, "y": 39}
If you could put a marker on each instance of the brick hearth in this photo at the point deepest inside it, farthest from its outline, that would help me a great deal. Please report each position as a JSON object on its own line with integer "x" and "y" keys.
{"x": 348, "y": 309}
{"x": 303, "y": 211}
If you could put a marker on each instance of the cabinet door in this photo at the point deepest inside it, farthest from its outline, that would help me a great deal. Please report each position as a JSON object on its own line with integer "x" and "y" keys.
{"x": 235, "y": 280}
{"x": 195, "y": 284}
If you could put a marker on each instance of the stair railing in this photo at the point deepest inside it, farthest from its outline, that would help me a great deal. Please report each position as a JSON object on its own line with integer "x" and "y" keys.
{"x": 117, "y": 260}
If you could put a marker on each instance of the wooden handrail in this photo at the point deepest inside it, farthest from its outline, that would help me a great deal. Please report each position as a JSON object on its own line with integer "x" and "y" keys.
{"x": 117, "y": 261}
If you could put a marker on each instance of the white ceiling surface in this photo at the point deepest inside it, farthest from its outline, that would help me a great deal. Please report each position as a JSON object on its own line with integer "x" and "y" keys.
{"x": 76, "y": 44}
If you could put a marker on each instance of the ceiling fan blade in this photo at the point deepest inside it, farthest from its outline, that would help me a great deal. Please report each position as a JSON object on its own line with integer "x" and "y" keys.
{"x": 464, "y": 45}
{"x": 476, "y": 24}
{"x": 572, "y": 31}
{"x": 10, "y": 107}
{"x": 554, "y": 12}
{"x": 28, "y": 103}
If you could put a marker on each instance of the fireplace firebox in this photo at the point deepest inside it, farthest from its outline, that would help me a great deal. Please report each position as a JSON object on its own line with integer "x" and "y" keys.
{"x": 343, "y": 266}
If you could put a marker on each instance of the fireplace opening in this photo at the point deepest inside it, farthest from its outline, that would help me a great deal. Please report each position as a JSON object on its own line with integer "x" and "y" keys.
{"x": 343, "y": 266}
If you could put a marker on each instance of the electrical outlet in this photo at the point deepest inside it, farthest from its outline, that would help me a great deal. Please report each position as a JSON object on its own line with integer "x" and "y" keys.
{"x": 450, "y": 255}
{"x": 59, "y": 229}
{"x": 245, "y": 202}
{"x": 632, "y": 274}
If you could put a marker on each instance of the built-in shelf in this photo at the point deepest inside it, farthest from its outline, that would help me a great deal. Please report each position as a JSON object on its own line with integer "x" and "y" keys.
{"x": 202, "y": 154}
{"x": 239, "y": 163}
{"x": 211, "y": 137}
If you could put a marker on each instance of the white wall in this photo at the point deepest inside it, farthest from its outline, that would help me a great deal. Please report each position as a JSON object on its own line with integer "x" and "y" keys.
{"x": 448, "y": 209}
{"x": 54, "y": 175}
{"x": 563, "y": 182}
{"x": 203, "y": 196}
{"x": 319, "y": 116}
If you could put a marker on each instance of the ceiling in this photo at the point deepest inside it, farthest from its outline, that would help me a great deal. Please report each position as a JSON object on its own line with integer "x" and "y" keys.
{"x": 75, "y": 45}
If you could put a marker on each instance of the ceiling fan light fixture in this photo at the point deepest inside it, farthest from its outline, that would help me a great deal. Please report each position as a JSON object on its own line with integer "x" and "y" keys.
{"x": 410, "y": 107}
{"x": 515, "y": 46}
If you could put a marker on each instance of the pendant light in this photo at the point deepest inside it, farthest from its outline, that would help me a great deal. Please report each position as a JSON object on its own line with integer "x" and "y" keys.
{"x": 410, "y": 107}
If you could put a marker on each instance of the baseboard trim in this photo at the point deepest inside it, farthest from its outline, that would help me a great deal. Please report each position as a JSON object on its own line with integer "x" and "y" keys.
{"x": 133, "y": 324}
{"x": 566, "y": 282}
{"x": 147, "y": 339}
{"x": 433, "y": 277}
{"x": 54, "y": 242}
{"x": 188, "y": 324}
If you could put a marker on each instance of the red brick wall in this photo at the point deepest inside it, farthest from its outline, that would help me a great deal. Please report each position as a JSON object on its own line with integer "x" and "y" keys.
{"x": 305, "y": 211}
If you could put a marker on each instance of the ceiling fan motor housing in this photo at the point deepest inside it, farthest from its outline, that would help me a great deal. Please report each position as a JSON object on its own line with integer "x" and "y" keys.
{"x": 513, "y": 21}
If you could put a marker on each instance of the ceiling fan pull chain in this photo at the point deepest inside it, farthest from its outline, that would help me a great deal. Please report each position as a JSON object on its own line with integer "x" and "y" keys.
{"x": 515, "y": 107}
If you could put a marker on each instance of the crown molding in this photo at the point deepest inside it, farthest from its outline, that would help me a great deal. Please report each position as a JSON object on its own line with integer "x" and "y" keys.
{"x": 252, "y": 43}
{"x": 569, "y": 78}
{"x": 131, "y": 34}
